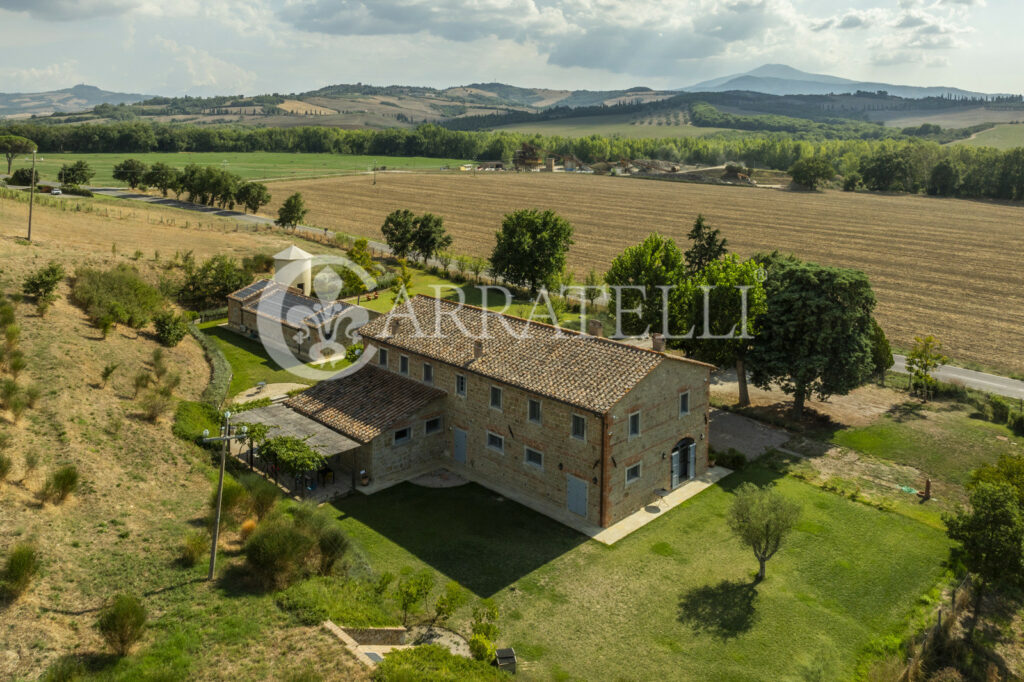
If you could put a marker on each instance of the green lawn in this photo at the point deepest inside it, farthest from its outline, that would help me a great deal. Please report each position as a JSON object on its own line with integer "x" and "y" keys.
{"x": 940, "y": 438}
{"x": 1002, "y": 136}
{"x": 249, "y": 165}
{"x": 608, "y": 125}
{"x": 674, "y": 600}
{"x": 250, "y": 363}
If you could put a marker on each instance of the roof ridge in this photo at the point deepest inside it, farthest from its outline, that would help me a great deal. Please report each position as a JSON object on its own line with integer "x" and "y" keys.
{"x": 582, "y": 334}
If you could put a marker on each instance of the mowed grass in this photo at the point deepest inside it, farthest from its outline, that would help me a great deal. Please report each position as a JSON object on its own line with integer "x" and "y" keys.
{"x": 942, "y": 439}
{"x": 674, "y": 600}
{"x": 608, "y": 125}
{"x": 249, "y": 165}
{"x": 948, "y": 267}
{"x": 1004, "y": 136}
{"x": 250, "y": 363}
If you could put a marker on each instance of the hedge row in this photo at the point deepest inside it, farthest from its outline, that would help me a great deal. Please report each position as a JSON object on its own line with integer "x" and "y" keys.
{"x": 220, "y": 381}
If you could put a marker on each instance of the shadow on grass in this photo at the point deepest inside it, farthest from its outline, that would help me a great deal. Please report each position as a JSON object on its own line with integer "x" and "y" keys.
{"x": 72, "y": 666}
{"x": 468, "y": 533}
{"x": 906, "y": 411}
{"x": 725, "y": 610}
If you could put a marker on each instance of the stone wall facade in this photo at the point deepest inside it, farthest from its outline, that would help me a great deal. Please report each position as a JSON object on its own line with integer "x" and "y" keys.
{"x": 599, "y": 459}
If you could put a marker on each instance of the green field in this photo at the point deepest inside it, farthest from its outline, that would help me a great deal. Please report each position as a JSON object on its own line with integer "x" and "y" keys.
{"x": 249, "y": 165}
{"x": 675, "y": 599}
{"x": 1003, "y": 136}
{"x": 608, "y": 125}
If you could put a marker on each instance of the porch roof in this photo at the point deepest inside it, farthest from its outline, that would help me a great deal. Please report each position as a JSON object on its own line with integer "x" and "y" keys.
{"x": 323, "y": 439}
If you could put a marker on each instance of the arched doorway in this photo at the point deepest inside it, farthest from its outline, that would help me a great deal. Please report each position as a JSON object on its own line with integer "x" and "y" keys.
{"x": 684, "y": 465}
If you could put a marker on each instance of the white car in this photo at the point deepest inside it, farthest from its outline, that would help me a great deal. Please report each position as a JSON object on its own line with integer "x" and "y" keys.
{"x": 55, "y": 191}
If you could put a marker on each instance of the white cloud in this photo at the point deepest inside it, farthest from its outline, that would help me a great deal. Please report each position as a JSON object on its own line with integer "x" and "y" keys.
{"x": 200, "y": 69}
{"x": 68, "y": 10}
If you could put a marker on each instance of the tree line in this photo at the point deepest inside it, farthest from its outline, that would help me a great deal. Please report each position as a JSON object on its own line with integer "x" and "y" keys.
{"x": 208, "y": 185}
{"x": 911, "y": 165}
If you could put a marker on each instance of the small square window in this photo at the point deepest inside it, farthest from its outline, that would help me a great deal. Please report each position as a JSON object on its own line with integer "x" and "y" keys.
{"x": 579, "y": 427}
{"x": 382, "y": 357}
{"x": 533, "y": 411}
{"x": 403, "y": 364}
{"x": 495, "y": 397}
{"x": 403, "y": 435}
{"x": 432, "y": 426}
{"x": 460, "y": 385}
{"x": 535, "y": 458}
{"x": 633, "y": 473}
{"x": 428, "y": 373}
{"x": 684, "y": 404}
{"x": 495, "y": 442}
{"x": 634, "y": 425}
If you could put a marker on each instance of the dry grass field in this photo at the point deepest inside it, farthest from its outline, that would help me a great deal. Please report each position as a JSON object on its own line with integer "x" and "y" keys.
{"x": 142, "y": 488}
{"x": 947, "y": 267}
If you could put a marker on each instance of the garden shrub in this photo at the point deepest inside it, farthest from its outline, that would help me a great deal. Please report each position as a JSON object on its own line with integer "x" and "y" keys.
{"x": 220, "y": 381}
{"x": 43, "y": 282}
{"x": 731, "y": 459}
{"x": 122, "y": 623}
{"x": 234, "y": 501}
{"x": 154, "y": 404}
{"x": 171, "y": 328}
{"x": 22, "y": 565}
{"x": 194, "y": 545}
{"x": 332, "y": 544}
{"x": 263, "y": 494}
{"x": 115, "y": 296}
{"x": 481, "y": 648}
{"x": 192, "y": 418}
{"x": 998, "y": 409}
{"x": 23, "y": 177}
{"x": 246, "y": 529}
{"x": 277, "y": 552}
{"x": 433, "y": 663}
{"x": 60, "y": 484}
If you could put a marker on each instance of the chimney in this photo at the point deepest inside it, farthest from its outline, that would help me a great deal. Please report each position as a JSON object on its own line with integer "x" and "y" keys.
{"x": 595, "y": 328}
{"x": 395, "y": 323}
{"x": 658, "y": 343}
{"x": 478, "y": 349}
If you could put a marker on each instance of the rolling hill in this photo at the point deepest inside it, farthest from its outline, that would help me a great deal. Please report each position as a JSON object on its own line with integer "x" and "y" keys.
{"x": 76, "y": 99}
{"x": 779, "y": 79}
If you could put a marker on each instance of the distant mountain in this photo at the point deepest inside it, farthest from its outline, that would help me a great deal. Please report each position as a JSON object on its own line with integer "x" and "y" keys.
{"x": 779, "y": 79}
{"x": 78, "y": 98}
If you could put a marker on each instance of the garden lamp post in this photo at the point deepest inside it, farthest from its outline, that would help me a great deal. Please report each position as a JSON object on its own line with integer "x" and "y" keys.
{"x": 226, "y": 438}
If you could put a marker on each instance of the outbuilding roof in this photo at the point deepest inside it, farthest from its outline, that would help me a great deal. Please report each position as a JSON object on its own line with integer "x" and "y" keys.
{"x": 288, "y": 305}
{"x": 364, "y": 404}
{"x": 590, "y": 372}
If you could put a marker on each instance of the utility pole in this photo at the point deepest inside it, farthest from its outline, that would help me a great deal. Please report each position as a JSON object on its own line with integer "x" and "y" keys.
{"x": 226, "y": 438}
{"x": 31, "y": 195}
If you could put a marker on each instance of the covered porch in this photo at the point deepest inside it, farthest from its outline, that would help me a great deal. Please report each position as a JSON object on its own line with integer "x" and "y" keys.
{"x": 342, "y": 454}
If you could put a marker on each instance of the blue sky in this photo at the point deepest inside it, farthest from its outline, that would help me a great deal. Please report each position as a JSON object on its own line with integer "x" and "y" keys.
{"x": 251, "y": 46}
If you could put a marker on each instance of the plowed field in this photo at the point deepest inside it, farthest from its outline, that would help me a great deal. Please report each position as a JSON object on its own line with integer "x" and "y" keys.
{"x": 949, "y": 267}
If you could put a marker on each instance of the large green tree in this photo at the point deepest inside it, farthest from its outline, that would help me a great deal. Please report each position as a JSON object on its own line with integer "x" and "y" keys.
{"x": 645, "y": 277}
{"x": 292, "y": 211}
{"x": 708, "y": 245}
{"x": 991, "y": 534}
{"x": 430, "y": 237}
{"x": 815, "y": 338}
{"x": 761, "y": 518}
{"x": 161, "y": 176}
{"x": 812, "y": 171}
{"x": 77, "y": 173}
{"x": 399, "y": 230}
{"x": 530, "y": 248}
{"x": 13, "y": 146}
{"x": 131, "y": 171}
{"x": 727, "y": 305}
{"x": 252, "y": 195}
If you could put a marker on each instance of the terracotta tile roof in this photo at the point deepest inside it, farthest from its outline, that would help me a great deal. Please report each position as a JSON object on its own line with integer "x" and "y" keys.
{"x": 364, "y": 404}
{"x": 287, "y": 304}
{"x": 587, "y": 371}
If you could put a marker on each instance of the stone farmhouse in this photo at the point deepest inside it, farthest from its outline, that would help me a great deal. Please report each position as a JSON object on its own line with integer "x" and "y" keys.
{"x": 563, "y": 421}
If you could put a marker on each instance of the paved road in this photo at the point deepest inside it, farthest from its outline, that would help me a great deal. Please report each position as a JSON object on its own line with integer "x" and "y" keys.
{"x": 991, "y": 383}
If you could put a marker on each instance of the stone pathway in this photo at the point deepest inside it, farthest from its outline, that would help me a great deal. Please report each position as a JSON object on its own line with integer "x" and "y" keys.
{"x": 269, "y": 391}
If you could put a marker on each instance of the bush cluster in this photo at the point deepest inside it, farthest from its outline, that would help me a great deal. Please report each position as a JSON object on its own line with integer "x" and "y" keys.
{"x": 433, "y": 663}
{"x": 122, "y": 623}
{"x": 285, "y": 547}
{"x": 115, "y": 296}
{"x": 60, "y": 484}
{"x": 171, "y": 327}
{"x": 23, "y": 563}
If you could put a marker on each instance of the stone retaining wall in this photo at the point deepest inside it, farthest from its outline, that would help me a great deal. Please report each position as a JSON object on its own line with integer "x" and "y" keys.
{"x": 377, "y": 636}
